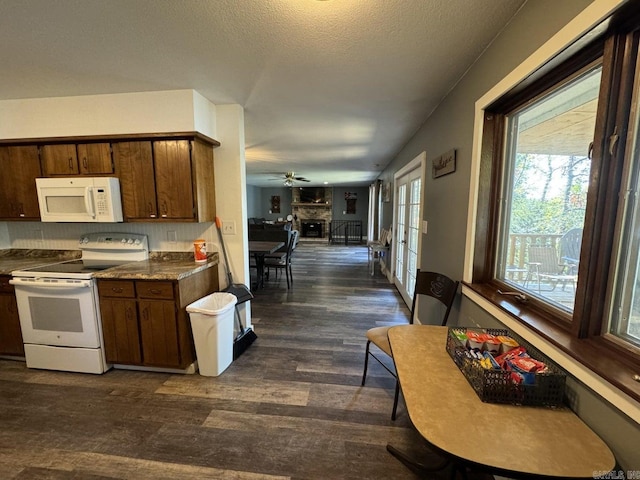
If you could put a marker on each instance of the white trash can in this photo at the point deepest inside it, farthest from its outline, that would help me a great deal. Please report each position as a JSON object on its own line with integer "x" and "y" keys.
{"x": 212, "y": 326}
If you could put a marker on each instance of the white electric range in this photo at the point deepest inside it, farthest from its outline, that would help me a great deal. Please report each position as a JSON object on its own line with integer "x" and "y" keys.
{"x": 58, "y": 304}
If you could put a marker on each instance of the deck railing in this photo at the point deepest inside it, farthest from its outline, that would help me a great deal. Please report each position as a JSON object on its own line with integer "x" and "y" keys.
{"x": 518, "y": 248}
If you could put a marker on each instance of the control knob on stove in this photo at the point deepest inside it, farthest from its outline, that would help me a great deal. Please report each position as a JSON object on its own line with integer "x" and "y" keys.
{"x": 84, "y": 240}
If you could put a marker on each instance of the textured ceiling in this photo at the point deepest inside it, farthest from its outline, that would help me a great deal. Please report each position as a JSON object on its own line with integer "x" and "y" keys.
{"x": 331, "y": 89}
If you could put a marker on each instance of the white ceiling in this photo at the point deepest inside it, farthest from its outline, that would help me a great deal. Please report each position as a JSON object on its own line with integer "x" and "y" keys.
{"x": 331, "y": 89}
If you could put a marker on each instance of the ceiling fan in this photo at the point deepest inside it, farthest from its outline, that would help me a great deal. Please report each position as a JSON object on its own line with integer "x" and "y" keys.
{"x": 290, "y": 178}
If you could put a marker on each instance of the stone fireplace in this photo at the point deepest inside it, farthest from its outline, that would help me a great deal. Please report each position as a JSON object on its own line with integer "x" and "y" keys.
{"x": 312, "y": 219}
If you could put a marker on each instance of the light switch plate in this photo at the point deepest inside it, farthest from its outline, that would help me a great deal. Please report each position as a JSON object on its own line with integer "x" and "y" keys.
{"x": 172, "y": 236}
{"x": 424, "y": 227}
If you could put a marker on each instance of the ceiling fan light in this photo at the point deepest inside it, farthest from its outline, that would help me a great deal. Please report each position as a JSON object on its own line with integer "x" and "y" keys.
{"x": 288, "y": 182}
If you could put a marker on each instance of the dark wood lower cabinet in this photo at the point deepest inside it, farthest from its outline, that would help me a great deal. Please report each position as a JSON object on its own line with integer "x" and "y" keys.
{"x": 159, "y": 332}
{"x": 145, "y": 322}
{"x": 120, "y": 330}
{"x": 10, "y": 332}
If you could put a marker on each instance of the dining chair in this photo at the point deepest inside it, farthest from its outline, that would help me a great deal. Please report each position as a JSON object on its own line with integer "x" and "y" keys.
{"x": 430, "y": 284}
{"x": 283, "y": 261}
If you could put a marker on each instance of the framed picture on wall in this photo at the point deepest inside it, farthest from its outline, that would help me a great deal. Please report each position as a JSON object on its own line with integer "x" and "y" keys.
{"x": 275, "y": 204}
{"x": 444, "y": 164}
{"x": 386, "y": 192}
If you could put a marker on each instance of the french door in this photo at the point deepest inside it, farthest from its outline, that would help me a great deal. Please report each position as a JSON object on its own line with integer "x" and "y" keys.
{"x": 408, "y": 215}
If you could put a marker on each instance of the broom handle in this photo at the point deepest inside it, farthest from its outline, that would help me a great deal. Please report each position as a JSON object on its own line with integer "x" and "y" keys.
{"x": 224, "y": 251}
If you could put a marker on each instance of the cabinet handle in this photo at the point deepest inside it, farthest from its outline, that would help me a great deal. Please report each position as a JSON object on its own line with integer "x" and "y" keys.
{"x": 165, "y": 209}
{"x": 150, "y": 210}
{"x": 128, "y": 314}
{"x": 70, "y": 163}
{"x": 117, "y": 289}
{"x": 21, "y": 209}
{"x": 154, "y": 291}
{"x": 85, "y": 163}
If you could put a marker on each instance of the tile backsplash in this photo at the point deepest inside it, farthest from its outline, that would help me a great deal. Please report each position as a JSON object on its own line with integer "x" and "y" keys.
{"x": 166, "y": 237}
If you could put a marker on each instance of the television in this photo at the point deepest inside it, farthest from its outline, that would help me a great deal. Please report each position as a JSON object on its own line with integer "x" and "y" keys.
{"x": 312, "y": 194}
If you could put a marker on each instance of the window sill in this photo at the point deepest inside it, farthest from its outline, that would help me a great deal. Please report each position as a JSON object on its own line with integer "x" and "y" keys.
{"x": 589, "y": 360}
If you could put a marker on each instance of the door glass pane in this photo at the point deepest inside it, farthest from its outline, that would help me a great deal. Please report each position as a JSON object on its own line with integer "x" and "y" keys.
{"x": 625, "y": 305}
{"x": 400, "y": 231}
{"x": 545, "y": 183}
{"x": 412, "y": 235}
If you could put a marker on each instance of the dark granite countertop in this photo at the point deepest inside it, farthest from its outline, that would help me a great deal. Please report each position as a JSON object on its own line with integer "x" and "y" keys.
{"x": 18, "y": 259}
{"x": 160, "y": 266}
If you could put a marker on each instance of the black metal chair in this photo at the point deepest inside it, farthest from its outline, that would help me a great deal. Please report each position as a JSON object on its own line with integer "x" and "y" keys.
{"x": 431, "y": 284}
{"x": 282, "y": 261}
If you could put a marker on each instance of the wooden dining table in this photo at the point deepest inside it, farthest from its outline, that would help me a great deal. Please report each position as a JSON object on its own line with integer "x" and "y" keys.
{"x": 508, "y": 440}
{"x": 259, "y": 249}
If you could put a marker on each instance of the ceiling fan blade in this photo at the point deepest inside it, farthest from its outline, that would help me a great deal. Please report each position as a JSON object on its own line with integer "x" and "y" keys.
{"x": 301, "y": 179}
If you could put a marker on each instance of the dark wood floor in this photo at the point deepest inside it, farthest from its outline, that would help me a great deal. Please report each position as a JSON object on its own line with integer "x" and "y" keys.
{"x": 290, "y": 407}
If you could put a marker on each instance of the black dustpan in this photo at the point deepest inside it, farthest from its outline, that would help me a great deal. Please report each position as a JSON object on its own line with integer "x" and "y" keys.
{"x": 246, "y": 336}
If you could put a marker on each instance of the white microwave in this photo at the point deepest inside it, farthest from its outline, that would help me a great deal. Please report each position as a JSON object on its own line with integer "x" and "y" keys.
{"x": 79, "y": 199}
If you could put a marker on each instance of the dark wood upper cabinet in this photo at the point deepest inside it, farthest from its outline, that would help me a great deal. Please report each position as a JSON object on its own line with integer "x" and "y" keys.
{"x": 166, "y": 180}
{"x": 134, "y": 166}
{"x": 94, "y": 158}
{"x": 59, "y": 159}
{"x": 174, "y": 185}
{"x": 76, "y": 159}
{"x": 163, "y": 176}
{"x": 19, "y": 168}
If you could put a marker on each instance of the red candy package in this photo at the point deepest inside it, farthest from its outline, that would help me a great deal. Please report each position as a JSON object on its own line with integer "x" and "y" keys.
{"x": 528, "y": 364}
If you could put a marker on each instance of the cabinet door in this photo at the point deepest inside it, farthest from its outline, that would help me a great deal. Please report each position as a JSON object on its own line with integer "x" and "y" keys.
{"x": 134, "y": 166}
{"x": 120, "y": 331}
{"x": 59, "y": 159}
{"x": 159, "y": 333}
{"x": 19, "y": 168}
{"x": 94, "y": 158}
{"x": 10, "y": 332}
{"x": 174, "y": 182}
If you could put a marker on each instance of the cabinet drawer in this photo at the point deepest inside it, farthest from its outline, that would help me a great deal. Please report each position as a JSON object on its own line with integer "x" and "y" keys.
{"x": 160, "y": 290}
{"x": 116, "y": 288}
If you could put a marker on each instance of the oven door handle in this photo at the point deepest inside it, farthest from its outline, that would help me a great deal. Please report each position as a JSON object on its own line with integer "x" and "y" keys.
{"x": 43, "y": 284}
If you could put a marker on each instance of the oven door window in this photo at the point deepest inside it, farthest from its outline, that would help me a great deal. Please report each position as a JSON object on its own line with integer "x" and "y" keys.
{"x": 59, "y": 316}
{"x": 55, "y": 314}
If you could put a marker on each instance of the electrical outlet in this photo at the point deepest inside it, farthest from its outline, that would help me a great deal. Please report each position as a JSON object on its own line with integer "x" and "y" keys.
{"x": 229, "y": 228}
{"x": 172, "y": 236}
{"x": 425, "y": 224}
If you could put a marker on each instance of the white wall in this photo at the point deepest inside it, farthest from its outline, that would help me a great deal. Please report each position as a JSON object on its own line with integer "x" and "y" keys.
{"x": 140, "y": 112}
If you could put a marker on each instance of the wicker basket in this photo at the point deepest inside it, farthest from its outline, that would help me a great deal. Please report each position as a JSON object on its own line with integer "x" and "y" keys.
{"x": 496, "y": 386}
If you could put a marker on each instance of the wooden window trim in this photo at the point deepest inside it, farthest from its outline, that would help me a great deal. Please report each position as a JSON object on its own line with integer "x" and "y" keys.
{"x": 581, "y": 340}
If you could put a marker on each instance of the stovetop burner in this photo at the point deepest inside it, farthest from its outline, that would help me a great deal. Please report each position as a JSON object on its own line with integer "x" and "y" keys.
{"x": 73, "y": 266}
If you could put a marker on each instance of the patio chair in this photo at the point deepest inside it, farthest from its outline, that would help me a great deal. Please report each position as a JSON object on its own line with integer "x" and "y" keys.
{"x": 570, "y": 244}
{"x": 543, "y": 265}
